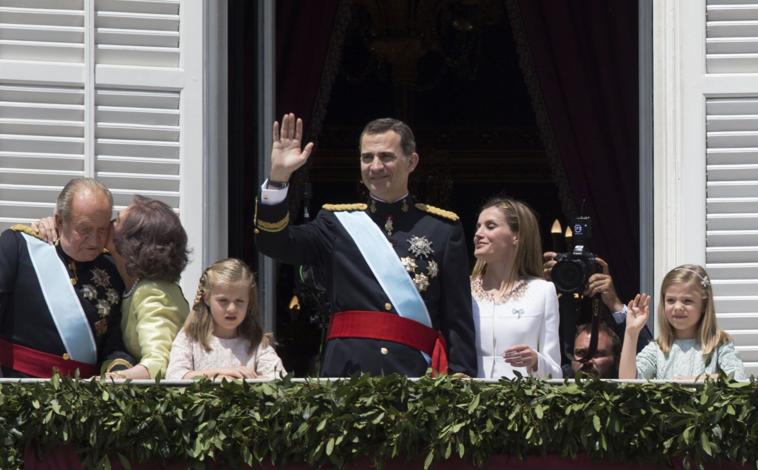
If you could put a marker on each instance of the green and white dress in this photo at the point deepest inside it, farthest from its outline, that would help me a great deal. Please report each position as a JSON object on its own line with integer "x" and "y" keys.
{"x": 686, "y": 359}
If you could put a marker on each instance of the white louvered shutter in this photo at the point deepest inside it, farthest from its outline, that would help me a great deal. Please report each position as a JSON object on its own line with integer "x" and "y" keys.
{"x": 731, "y": 115}
{"x": 104, "y": 88}
{"x": 732, "y": 218}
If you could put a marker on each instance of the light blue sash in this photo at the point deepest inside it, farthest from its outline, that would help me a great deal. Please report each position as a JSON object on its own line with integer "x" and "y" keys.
{"x": 386, "y": 266}
{"x": 62, "y": 301}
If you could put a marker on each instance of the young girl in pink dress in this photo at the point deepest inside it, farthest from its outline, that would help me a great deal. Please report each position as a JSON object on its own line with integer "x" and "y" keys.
{"x": 223, "y": 337}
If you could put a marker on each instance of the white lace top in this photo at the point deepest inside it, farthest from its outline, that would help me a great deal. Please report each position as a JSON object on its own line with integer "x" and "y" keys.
{"x": 187, "y": 355}
{"x": 528, "y": 316}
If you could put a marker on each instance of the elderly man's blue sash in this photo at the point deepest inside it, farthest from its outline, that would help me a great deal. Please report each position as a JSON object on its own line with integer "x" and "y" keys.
{"x": 62, "y": 301}
{"x": 386, "y": 266}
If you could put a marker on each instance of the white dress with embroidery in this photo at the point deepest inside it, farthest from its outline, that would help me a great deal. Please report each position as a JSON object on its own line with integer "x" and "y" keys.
{"x": 528, "y": 316}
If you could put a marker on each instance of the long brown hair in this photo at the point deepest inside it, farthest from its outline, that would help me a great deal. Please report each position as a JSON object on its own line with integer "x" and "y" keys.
{"x": 199, "y": 324}
{"x": 708, "y": 333}
{"x": 522, "y": 222}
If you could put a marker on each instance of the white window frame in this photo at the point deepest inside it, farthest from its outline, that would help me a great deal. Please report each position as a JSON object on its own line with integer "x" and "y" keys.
{"x": 679, "y": 117}
{"x": 681, "y": 88}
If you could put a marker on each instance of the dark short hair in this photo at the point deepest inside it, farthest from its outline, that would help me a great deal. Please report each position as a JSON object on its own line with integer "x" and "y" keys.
{"x": 152, "y": 241}
{"x": 382, "y": 125}
{"x": 615, "y": 341}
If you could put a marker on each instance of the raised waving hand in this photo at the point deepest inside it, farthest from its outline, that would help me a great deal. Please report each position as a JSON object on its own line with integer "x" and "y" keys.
{"x": 287, "y": 155}
{"x": 636, "y": 317}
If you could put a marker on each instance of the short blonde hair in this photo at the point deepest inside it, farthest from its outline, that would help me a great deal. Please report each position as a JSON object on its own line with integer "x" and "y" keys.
{"x": 708, "y": 333}
{"x": 522, "y": 221}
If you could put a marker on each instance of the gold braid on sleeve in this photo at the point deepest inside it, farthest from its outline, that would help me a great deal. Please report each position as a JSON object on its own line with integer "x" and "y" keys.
{"x": 273, "y": 227}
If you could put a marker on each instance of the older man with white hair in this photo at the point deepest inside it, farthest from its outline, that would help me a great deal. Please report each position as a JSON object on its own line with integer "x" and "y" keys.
{"x": 60, "y": 304}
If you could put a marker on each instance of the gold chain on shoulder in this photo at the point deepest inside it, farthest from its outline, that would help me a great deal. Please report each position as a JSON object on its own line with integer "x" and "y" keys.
{"x": 438, "y": 212}
{"x": 360, "y": 206}
{"x": 26, "y": 229}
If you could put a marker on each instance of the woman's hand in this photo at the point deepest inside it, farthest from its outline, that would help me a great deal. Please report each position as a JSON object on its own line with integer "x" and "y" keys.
{"x": 46, "y": 228}
{"x": 137, "y": 372}
{"x": 637, "y": 313}
{"x": 521, "y": 355}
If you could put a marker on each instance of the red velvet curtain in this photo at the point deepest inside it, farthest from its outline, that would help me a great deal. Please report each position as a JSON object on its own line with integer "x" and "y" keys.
{"x": 584, "y": 63}
{"x": 303, "y": 35}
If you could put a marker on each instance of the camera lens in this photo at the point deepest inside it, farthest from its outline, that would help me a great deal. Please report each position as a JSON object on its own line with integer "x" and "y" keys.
{"x": 568, "y": 276}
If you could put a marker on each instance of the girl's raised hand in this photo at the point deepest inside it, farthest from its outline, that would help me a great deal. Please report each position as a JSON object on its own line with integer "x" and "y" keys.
{"x": 637, "y": 312}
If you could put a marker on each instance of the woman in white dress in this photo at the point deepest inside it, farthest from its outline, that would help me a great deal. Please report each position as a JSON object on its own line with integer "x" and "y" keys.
{"x": 515, "y": 310}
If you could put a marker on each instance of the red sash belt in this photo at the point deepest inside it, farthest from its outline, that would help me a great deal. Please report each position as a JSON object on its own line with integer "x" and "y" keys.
{"x": 40, "y": 364}
{"x": 390, "y": 327}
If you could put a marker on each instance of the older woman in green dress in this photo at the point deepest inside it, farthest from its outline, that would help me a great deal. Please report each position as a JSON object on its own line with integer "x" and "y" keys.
{"x": 149, "y": 246}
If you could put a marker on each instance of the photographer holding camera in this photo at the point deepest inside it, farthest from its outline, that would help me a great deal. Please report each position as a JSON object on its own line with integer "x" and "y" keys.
{"x": 581, "y": 277}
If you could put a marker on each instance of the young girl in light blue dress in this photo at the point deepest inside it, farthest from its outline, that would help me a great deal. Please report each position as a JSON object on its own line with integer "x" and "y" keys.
{"x": 690, "y": 344}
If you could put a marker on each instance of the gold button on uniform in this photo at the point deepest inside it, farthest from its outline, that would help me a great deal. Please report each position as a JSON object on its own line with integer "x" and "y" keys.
{"x": 384, "y": 351}
{"x": 388, "y": 306}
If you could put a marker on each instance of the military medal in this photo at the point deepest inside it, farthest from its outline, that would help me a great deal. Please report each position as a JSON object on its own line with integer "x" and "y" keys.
{"x": 420, "y": 247}
{"x": 112, "y": 296}
{"x": 421, "y": 281}
{"x": 404, "y": 205}
{"x": 408, "y": 263}
{"x": 103, "y": 308}
{"x": 100, "y": 277}
{"x": 89, "y": 292}
{"x": 372, "y": 206}
{"x": 389, "y": 226}
{"x": 432, "y": 269}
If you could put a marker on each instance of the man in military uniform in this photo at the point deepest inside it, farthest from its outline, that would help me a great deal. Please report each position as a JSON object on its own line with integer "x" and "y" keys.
{"x": 396, "y": 271}
{"x": 60, "y": 305}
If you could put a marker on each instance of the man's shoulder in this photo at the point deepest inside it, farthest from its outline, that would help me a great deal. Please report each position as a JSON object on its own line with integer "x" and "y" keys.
{"x": 11, "y": 240}
{"x": 19, "y": 229}
{"x": 357, "y": 206}
{"x": 446, "y": 215}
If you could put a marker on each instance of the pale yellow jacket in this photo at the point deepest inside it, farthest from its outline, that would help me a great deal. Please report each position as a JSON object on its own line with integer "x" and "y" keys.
{"x": 151, "y": 317}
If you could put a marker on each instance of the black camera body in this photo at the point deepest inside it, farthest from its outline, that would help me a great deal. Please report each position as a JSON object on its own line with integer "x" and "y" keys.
{"x": 573, "y": 268}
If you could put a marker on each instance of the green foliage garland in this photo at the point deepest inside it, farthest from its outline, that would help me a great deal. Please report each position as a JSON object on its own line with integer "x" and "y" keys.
{"x": 336, "y": 422}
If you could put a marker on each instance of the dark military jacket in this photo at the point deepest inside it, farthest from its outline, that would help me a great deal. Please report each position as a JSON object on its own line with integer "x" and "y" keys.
{"x": 25, "y": 318}
{"x": 440, "y": 274}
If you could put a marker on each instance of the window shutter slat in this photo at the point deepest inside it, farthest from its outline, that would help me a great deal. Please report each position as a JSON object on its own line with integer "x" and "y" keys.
{"x": 37, "y": 32}
{"x": 732, "y": 218}
{"x": 138, "y": 33}
{"x": 731, "y": 31}
{"x": 38, "y": 154}
{"x": 131, "y": 114}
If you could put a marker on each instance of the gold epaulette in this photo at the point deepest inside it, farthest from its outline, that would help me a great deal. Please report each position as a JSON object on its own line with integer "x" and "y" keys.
{"x": 359, "y": 206}
{"x": 27, "y": 230}
{"x": 438, "y": 212}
